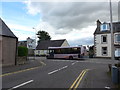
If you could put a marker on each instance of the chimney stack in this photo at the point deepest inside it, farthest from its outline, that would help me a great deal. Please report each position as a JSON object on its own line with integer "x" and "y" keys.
{"x": 98, "y": 23}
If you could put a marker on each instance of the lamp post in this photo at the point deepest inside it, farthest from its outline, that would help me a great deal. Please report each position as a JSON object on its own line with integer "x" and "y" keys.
{"x": 35, "y": 43}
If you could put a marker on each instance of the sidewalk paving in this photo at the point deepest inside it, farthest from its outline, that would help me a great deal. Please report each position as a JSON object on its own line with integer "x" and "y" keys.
{"x": 98, "y": 78}
{"x": 29, "y": 64}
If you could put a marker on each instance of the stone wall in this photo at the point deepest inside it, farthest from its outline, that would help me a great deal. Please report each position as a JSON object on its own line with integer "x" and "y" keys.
{"x": 21, "y": 60}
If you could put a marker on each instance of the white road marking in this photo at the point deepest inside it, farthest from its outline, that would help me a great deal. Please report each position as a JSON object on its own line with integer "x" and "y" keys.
{"x": 57, "y": 70}
{"x": 53, "y": 71}
{"x": 74, "y": 63}
{"x": 21, "y": 85}
{"x": 64, "y": 67}
{"x": 107, "y": 87}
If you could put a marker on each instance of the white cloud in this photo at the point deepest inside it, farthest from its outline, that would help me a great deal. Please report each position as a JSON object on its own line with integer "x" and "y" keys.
{"x": 22, "y": 32}
{"x": 31, "y": 8}
{"x": 71, "y": 21}
{"x": 73, "y": 36}
{"x": 70, "y": 0}
{"x": 69, "y": 16}
{"x": 20, "y": 27}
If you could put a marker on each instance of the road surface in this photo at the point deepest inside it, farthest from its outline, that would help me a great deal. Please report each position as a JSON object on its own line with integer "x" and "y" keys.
{"x": 54, "y": 74}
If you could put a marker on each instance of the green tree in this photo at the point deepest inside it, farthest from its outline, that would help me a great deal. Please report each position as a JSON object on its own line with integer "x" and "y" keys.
{"x": 43, "y": 35}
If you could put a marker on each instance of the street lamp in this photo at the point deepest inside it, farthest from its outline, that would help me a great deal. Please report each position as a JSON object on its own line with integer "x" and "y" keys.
{"x": 35, "y": 43}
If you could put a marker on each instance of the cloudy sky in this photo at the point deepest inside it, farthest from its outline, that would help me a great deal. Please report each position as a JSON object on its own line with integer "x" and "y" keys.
{"x": 74, "y": 21}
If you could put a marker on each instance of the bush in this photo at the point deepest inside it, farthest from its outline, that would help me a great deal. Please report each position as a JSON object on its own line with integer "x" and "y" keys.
{"x": 22, "y": 51}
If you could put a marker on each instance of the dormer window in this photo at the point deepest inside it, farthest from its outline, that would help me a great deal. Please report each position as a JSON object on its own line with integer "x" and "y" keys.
{"x": 104, "y": 27}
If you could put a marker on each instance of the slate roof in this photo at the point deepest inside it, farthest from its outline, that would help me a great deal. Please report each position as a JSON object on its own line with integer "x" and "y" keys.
{"x": 116, "y": 28}
{"x": 5, "y": 30}
{"x": 43, "y": 45}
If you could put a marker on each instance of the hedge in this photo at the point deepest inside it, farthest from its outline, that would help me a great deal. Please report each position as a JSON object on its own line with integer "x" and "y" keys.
{"x": 22, "y": 51}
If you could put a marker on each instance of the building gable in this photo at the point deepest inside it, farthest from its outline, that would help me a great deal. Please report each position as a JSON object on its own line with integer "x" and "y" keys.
{"x": 65, "y": 43}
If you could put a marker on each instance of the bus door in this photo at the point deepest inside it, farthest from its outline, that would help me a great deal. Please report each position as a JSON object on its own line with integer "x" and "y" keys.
{"x": 51, "y": 53}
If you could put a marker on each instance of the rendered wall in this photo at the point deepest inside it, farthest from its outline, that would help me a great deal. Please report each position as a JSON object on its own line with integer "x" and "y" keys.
{"x": 8, "y": 51}
{"x": 99, "y": 45}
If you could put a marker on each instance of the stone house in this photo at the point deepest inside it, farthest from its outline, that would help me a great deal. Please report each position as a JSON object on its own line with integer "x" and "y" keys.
{"x": 102, "y": 39}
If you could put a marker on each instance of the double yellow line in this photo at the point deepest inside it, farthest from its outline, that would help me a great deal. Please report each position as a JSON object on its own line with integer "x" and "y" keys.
{"x": 78, "y": 80}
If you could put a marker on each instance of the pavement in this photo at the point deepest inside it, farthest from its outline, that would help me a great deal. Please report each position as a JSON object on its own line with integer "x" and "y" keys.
{"x": 99, "y": 77}
{"x": 31, "y": 63}
{"x": 96, "y": 77}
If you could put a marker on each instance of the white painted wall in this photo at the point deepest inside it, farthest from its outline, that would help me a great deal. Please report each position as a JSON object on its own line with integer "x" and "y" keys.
{"x": 99, "y": 45}
{"x": 65, "y": 43}
{"x": 41, "y": 52}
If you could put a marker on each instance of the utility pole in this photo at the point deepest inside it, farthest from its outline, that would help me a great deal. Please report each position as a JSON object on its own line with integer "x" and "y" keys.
{"x": 112, "y": 35}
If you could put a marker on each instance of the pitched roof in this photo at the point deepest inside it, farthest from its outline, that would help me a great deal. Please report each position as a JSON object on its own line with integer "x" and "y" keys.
{"x": 5, "y": 30}
{"x": 43, "y": 45}
{"x": 116, "y": 28}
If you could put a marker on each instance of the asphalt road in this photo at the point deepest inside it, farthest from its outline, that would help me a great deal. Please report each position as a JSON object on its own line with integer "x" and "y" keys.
{"x": 54, "y": 74}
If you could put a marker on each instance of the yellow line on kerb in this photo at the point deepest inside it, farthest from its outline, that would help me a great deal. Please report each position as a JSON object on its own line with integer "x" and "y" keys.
{"x": 78, "y": 80}
{"x": 18, "y": 71}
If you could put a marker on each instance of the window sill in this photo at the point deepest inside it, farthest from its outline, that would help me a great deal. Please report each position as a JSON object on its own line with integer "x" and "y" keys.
{"x": 104, "y": 55}
{"x": 104, "y": 43}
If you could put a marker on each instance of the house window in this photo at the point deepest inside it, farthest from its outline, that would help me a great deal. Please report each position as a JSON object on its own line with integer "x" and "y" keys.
{"x": 117, "y": 52}
{"x": 104, "y": 38}
{"x": 38, "y": 52}
{"x": 104, "y": 51}
{"x": 117, "y": 38}
{"x": 105, "y": 27}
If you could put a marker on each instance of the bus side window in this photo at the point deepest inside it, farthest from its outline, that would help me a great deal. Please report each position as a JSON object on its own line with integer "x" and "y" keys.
{"x": 57, "y": 51}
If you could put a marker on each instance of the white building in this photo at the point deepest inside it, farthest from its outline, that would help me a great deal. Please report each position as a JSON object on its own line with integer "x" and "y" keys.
{"x": 31, "y": 43}
{"x": 102, "y": 39}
